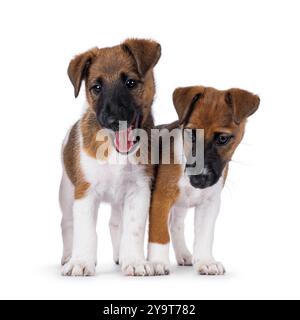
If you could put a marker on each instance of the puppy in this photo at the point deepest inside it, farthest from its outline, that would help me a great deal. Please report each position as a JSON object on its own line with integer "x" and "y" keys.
{"x": 222, "y": 115}
{"x": 119, "y": 86}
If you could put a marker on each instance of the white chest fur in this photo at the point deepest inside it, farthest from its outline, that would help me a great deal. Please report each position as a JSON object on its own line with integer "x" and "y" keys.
{"x": 192, "y": 197}
{"x": 111, "y": 181}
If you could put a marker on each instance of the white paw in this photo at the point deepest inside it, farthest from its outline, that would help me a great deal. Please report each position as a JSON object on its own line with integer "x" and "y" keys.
{"x": 78, "y": 268}
{"x": 161, "y": 269}
{"x": 139, "y": 269}
{"x": 212, "y": 268}
{"x": 184, "y": 258}
{"x": 158, "y": 255}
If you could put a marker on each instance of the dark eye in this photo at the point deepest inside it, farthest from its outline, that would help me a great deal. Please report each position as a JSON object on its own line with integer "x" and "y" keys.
{"x": 96, "y": 89}
{"x": 130, "y": 83}
{"x": 223, "y": 139}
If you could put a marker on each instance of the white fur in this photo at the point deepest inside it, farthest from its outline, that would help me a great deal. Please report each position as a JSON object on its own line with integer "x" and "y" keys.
{"x": 115, "y": 227}
{"x": 84, "y": 249}
{"x": 207, "y": 205}
{"x": 158, "y": 254}
{"x": 127, "y": 187}
{"x": 183, "y": 255}
{"x": 66, "y": 199}
{"x": 206, "y": 214}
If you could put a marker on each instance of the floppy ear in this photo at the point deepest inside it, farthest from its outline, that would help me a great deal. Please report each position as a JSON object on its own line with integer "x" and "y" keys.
{"x": 78, "y": 68}
{"x": 243, "y": 103}
{"x": 184, "y": 100}
{"x": 146, "y": 53}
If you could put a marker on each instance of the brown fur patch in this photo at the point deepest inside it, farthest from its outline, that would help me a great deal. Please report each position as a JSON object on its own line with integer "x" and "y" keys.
{"x": 91, "y": 139}
{"x": 213, "y": 114}
{"x": 71, "y": 158}
{"x": 81, "y": 189}
{"x": 165, "y": 194}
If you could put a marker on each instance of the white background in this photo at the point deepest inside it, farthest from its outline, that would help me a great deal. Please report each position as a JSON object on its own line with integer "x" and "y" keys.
{"x": 249, "y": 44}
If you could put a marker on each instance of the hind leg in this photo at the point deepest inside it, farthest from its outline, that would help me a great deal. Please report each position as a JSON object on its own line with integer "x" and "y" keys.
{"x": 66, "y": 200}
{"x": 115, "y": 230}
{"x": 183, "y": 255}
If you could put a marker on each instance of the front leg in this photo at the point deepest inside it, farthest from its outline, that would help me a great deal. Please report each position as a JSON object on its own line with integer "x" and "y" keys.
{"x": 159, "y": 238}
{"x": 83, "y": 260}
{"x": 135, "y": 213}
{"x": 205, "y": 218}
{"x": 115, "y": 228}
{"x": 163, "y": 198}
{"x": 183, "y": 255}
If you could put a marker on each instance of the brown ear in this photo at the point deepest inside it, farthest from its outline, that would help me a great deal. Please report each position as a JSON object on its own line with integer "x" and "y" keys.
{"x": 145, "y": 52}
{"x": 78, "y": 68}
{"x": 184, "y": 100}
{"x": 243, "y": 103}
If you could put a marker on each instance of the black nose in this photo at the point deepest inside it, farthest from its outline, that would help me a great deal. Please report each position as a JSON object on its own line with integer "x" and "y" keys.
{"x": 112, "y": 122}
{"x": 202, "y": 180}
{"x": 109, "y": 121}
{"x": 110, "y": 115}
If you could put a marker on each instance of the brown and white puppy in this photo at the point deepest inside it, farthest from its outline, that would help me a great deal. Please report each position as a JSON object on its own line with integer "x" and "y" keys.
{"x": 119, "y": 86}
{"x": 222, "y": 115}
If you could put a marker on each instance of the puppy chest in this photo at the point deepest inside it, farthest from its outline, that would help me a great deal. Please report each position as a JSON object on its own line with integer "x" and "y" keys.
{"x": 192, "y": 197}
{"x": 188, "y": 196}
{"x": 112, "y": 181}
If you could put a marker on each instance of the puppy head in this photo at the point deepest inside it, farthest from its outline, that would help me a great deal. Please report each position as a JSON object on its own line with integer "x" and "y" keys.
{"x": 118, "y": 81}
{"x": 222, "y": 115}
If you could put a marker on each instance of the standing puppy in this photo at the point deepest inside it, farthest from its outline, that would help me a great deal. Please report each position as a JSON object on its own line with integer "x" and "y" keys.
{"x": 119, "y": 86}
{"x": 222, "y": 115}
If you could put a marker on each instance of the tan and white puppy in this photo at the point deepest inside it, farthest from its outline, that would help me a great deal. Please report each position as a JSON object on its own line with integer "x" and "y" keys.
{"x": 222, "y": 115}
{"x": 119, "y": 86}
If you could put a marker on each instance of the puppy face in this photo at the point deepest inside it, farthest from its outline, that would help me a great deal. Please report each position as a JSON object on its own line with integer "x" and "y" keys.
{"x": 222, "y": 115}
{"x": 118, "y": 80}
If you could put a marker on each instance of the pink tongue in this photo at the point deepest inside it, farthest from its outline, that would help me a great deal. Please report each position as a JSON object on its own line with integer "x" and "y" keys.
{"x": 124, "y": 140}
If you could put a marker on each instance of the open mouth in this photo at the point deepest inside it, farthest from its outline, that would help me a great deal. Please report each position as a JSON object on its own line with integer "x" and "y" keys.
{"x": 125, "y": 138}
